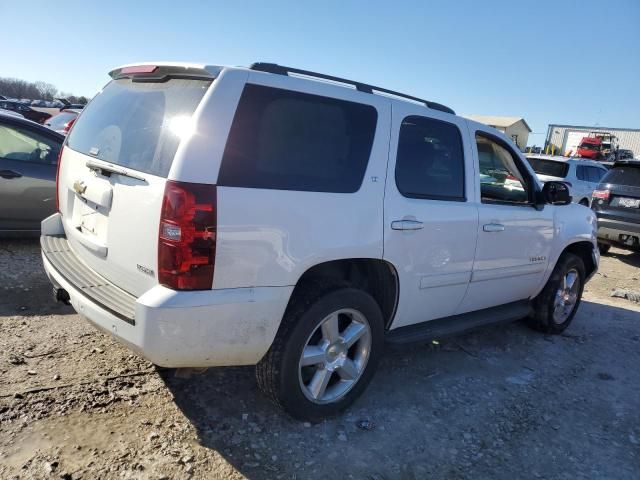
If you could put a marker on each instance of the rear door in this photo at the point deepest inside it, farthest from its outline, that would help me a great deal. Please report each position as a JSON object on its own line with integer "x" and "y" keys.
{"x": 27, "y": 176}
{"x": 583, "y": 187}
{"x": 114, "y": 169}
{"x": 430, "y": 218}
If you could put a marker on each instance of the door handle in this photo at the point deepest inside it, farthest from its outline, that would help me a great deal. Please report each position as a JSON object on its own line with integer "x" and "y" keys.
{"x": 493, "y": 227}
{"x": 407, "y": 225}
{"x": 9, "y": 174}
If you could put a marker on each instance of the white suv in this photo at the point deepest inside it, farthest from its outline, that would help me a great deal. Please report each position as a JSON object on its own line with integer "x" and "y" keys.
{"x": 581, "y": 175}
{"x": 215, "y": 216}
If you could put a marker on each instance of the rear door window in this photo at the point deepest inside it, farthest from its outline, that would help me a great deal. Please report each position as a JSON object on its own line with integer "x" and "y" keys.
{"x": 286, "y": 140}
{"x": 581, "y": 173}
{"x": 430, "y": 160}
{"x": 138, "y": 125}
{"x": 595, "y": 174}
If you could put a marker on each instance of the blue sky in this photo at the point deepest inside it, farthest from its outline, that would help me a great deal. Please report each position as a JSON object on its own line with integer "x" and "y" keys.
{"x": 559, "y": 61}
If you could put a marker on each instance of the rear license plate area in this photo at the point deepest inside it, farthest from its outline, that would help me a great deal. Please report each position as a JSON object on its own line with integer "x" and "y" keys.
{"x": 626, "y": 202}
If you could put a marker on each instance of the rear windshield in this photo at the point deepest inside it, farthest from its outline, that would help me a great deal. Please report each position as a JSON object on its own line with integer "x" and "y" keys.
{"x": 138, "y": 125}
{"x": 57, "y": 122}
{"x": 549, "y": 167}
{"x": 627, "y": 175}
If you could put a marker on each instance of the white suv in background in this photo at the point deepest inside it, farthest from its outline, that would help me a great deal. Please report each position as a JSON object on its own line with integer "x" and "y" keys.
{"x": 215, "y": 216}
{"x": 581, "y": 175}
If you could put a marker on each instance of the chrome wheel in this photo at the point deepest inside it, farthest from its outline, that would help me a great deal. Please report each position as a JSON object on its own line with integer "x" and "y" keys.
{"x": 566, "y": 296}
{"x": 335, "y": 356}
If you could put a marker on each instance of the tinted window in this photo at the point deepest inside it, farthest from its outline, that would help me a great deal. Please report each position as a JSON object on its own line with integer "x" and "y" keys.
{"x": 595, "y": 174}
{"x": 430, "y": 160}
{"x": 627, "y": 175}
{"x": 549, "y": 167}
{"x": 288, "y": 140}
{"x": 500, "y": 178}
{"x": 138, "y": 124}
{"x": 581, "y": 173}
{"x": 23, "y": 145}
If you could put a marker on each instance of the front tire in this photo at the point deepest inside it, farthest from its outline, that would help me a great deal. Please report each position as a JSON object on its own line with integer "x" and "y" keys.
{"x": 557, "y": 304}
{"x": 604, "y": 248}
{"x": 325, "y": 353}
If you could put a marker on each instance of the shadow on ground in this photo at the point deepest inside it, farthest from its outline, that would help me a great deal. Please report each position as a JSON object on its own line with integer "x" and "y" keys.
{"x": 469, "y": 407}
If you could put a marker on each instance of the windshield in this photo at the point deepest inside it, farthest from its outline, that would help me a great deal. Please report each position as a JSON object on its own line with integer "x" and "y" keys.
{"x": 590, "y": 146}
{"x": 549, "y": 167}
{"x": 138, "y": 124}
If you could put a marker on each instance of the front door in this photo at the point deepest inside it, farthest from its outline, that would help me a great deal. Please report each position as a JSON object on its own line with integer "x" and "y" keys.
{"x": 27, "y": 177}
{"x": 430, "y": 219}
{"x": 514, "y": 238}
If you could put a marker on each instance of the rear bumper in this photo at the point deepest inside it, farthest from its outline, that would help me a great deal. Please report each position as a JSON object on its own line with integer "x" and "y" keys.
{"x": 186, "y": 329}
{"x": 609, "y": 231}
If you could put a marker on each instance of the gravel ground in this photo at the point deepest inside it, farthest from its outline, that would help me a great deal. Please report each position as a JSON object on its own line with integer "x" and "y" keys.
{"x": 500, "y": 403}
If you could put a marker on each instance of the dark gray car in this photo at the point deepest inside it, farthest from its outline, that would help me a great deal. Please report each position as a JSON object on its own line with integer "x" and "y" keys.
{"x": 28, "y": 162}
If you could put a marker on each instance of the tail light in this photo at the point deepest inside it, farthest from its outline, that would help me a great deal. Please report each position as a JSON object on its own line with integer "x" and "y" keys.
{"x": 601, "y": 194}
{"x": 187, "y": 238}
{"x": 58, "y": 179}
{"x": 68, "y": 125}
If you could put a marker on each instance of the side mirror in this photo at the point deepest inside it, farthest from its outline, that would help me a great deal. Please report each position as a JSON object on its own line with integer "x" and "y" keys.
{"x": 556, "y": 193}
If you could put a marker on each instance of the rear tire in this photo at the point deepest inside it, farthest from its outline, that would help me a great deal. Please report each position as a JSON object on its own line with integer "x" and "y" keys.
{"x": 312, "y": 370}
{"x": 604, "y": 248}
{"x": 557, "y": 304}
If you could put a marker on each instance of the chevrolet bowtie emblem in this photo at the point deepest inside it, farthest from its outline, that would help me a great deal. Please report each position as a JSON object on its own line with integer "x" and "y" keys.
{"x": 79, "y": 187}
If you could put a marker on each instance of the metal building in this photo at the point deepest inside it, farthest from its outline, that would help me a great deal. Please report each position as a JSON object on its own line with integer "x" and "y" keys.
{"x": 566, "y": 138}
{"x": 514, "y": 127}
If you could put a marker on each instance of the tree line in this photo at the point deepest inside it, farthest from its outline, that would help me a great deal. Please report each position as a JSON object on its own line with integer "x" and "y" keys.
{"x": 16, "y": 88}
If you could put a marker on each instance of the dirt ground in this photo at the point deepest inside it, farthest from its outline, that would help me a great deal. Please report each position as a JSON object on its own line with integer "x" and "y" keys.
{"x": 504, "y": 402}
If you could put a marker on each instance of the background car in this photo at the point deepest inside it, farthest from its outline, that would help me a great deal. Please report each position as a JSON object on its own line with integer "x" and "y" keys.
{"x": 63, "y": 121}
{"x": 616, "y": 202}
{"x": 582, "y": 176}
{"x": 11, "y": 112}
{"x": 28, "y": 162}
{"x": 25, "y": 110}
{"x": 624, "y": 154}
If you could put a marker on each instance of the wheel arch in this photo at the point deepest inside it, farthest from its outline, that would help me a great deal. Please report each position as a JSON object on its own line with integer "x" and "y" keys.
{"x": 377, "y": 277}
{"x": 585, "y": 250}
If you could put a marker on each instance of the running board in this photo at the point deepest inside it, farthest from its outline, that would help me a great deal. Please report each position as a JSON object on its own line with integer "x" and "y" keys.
{"x": 448, "y": 326}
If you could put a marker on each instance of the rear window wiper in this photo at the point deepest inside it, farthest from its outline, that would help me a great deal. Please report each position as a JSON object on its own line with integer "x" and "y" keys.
{"x": 108, "y": 170}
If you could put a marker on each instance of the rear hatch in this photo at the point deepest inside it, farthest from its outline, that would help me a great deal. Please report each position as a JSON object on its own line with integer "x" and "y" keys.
{"x": 114, "y": 168}
{"x": 549, "y": 170}
{"x": 618, "y": 195}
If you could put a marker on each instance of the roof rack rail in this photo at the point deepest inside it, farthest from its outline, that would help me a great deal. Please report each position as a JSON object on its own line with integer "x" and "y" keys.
{"x": 361, "y": 87}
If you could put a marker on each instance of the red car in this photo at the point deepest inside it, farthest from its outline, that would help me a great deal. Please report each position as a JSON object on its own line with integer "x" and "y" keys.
{"x": 590, "y": 147}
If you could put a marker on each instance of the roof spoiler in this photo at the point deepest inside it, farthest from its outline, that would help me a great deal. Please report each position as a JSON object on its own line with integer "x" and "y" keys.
{"x": 160, "y": 73}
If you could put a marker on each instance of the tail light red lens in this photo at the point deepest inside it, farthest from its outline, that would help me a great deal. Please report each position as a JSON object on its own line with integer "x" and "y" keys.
{"x": 187, "y": 237}
{"x": 601, "y": 194}
{"x": 69, "y": 124}
{"x": 58, "y": 179}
